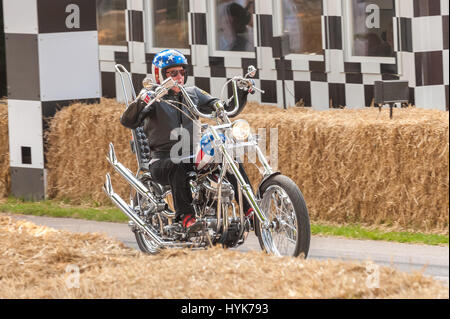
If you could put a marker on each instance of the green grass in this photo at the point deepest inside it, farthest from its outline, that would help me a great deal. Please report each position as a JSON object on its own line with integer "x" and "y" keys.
{"x": 358, "y": 232}
{"x": 62, "y": 209}
{"x": 66, "y": 209}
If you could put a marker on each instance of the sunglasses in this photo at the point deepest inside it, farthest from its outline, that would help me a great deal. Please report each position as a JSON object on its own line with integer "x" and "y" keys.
{"x": 174, "y": 73}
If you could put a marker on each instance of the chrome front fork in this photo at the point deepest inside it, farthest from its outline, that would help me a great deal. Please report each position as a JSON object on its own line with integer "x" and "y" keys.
{"x": 246, "y": 188}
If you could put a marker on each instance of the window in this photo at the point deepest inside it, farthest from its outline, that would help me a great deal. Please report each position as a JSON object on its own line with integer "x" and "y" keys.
{"x": 170, "y": 24}
{"x": 111, "y": 22}
{"x": 234, "y": 25}
{"x": 301, "y": 20}
{"x": 371, "y": 32}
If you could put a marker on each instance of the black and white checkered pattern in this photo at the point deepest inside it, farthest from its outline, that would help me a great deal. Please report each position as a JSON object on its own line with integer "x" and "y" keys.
{"x": 53, "y": 56}
{"x": 428, "y": 52}
{"x": 322, "y": 82}
{"x": 51, "y": 60}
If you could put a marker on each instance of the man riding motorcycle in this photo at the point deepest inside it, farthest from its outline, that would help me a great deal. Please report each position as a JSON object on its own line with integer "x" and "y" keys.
{"x": 159, "y": 123}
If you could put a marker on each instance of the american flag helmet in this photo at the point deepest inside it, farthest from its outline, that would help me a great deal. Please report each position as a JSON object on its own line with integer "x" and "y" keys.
{"x": 167, "y": 59}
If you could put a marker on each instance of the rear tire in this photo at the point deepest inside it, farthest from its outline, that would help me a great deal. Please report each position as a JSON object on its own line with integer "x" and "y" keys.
{"x": 146, "y": 244}
{"x": 284, "y": 206}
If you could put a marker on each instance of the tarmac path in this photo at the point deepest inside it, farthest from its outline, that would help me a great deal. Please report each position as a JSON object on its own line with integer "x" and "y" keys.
{"x": 432, "y": 260}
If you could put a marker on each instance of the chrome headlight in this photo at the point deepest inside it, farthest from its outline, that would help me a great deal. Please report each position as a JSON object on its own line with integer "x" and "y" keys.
{"x": 241, "y": 130}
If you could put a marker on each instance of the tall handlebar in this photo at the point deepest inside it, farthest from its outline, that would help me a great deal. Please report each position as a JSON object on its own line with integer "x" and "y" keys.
{"x": 191, "y": 104}
{"x": 164, "y": 88}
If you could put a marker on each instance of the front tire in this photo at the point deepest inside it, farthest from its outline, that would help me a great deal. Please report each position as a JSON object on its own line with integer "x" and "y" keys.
{"x": 283, "y": 204}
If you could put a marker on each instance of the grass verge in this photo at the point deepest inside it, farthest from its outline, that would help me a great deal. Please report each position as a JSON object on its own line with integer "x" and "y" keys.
{"x": 90, "y": 212}
{"x": 62, "y": 209}
{"x": 359, "y": 232}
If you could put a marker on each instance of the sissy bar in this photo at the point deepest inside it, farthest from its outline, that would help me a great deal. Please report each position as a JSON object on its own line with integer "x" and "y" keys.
{"x": 135, "y": 142}
{"x": 121, "y": 70}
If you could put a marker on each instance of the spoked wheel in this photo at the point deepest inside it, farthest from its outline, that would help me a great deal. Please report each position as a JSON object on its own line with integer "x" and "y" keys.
{"x": 287, "y": 231}
{"x": 145, "y": 243}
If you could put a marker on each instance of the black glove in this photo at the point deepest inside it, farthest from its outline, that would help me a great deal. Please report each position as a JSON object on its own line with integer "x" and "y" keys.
{"x": 250, "y": 89}
{"x": 247, "y": 85}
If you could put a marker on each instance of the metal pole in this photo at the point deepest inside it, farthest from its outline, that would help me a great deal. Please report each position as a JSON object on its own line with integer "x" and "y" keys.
{"x": 282, "y": 80}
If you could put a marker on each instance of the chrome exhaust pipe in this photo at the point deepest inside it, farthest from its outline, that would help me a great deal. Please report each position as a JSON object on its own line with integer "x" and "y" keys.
{"x": 120, "y": 203}
{"x": 134, "y": 182}
{"x": 123, "y": 206}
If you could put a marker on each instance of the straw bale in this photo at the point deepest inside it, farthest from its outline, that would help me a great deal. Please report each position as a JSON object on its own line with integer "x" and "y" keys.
{"x": 35, "y": 259}
{"x": 78, "y": 139}
{"x": 4, "y": 151}
{"x": 359, "y": 166}
{"x": 353, "y": 166}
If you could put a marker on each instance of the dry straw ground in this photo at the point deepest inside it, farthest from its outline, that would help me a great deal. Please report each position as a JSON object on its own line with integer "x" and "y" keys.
{"x": 34, "y": 260}
{"x": 351, "y": 165}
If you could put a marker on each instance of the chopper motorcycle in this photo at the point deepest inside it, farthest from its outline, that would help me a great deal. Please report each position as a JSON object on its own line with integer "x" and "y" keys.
{"x": 281, "y": 220}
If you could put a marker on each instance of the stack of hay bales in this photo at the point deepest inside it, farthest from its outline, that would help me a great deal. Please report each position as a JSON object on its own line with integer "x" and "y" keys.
{"x": 353, "y": 166}
{"x": 359, "y": 166}
{"x": 79, "y": 138}
{"x": 4, "y": 151}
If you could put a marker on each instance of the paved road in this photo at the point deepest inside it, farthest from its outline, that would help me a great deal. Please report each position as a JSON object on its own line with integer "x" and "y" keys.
{"x": 405, "y": 257}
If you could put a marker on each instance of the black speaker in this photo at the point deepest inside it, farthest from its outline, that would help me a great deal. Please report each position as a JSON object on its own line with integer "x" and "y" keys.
{"x": 391, "y": 92}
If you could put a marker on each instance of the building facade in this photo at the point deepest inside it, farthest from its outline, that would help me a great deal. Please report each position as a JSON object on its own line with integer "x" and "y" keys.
{"x": 318, "y": 53}
{"x": 314, "y": 53}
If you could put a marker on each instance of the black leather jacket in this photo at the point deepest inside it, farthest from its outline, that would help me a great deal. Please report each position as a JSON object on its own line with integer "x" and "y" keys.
{"x": 163, "y": 118}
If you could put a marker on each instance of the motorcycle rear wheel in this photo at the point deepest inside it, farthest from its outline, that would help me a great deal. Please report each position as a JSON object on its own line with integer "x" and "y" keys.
{"x": 289, "y": 233}
{"x": 145, "y": 243}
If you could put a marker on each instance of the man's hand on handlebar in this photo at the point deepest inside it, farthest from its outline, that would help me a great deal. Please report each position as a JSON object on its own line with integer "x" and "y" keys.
{"x": 250, "y": 87}
{"x": 247, "y": 85}
{"x": 149, "y": 97}
{"x": 146, "y": 96}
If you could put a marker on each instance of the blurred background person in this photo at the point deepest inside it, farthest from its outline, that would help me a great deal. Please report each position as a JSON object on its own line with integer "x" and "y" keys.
{"x": 235, "y": 25}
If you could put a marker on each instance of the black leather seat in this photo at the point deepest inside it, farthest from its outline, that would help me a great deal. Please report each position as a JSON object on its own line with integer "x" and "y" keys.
{"x": 143, "y": 148}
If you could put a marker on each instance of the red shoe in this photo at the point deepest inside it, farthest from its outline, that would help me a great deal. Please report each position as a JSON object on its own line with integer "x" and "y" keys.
{"x": 249, "y": 214}
{"x": 191, "y": 224}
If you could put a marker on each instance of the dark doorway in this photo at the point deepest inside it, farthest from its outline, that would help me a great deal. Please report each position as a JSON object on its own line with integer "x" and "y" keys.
{"x": 2, "y": 55}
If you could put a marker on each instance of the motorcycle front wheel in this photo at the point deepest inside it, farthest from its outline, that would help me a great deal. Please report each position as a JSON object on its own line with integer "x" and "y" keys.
{"x": 288, "y": 231}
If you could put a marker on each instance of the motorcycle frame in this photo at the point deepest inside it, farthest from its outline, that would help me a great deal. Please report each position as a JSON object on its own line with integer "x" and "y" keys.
{"x": 227, "y": 159}
{"x": 221, "y": 115}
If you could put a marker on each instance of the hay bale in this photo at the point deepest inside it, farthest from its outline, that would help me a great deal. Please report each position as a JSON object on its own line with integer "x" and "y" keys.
{"x": 35, "y": 259}
{"x": 5, "y": 183}
{"x": 78, "y": 141}
{"x": 359, "y": 166}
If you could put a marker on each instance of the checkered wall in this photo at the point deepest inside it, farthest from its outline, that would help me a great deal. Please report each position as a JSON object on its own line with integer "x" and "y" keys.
{"x": 322, "y": 82}
{"x": 428, "y": 52}
{"x": 51, "y": 60}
